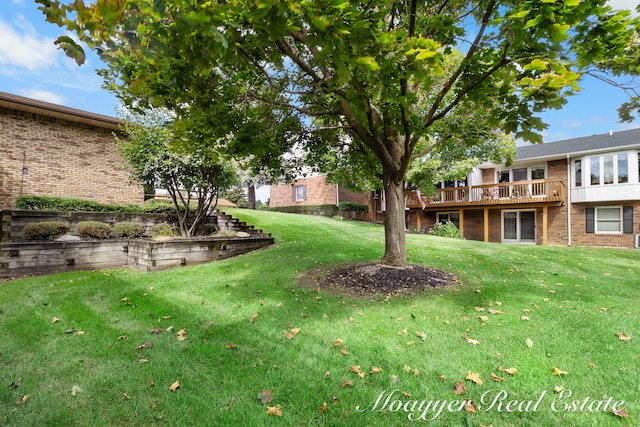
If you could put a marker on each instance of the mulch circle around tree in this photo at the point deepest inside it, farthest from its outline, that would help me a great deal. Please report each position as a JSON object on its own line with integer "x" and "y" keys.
{"x": 362, "y": 280}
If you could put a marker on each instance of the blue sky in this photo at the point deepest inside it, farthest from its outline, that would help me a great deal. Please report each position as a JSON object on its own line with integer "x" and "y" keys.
{"x": 31, "y": 66}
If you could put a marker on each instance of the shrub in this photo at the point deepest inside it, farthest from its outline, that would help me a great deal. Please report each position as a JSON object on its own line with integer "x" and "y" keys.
{"x": 129, "y": 229}
{"x": 162, "y": 229}
{"x": 95, "y": 229}
{"x": 69, "y": 204}
{"x": 446, "y": 230}
{"x": 44, "y": 230}
{"x": 353, "y": 207}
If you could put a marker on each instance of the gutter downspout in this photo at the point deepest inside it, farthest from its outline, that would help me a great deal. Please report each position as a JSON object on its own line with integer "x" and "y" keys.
{"x": 337, "y": 196}
{"x": 568, "y": 200}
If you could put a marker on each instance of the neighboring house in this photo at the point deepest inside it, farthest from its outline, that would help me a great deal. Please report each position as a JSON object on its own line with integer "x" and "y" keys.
{"x": 47, "y": 149}
{"x": 582, "y": 192}
{"x": 313, "y": 191}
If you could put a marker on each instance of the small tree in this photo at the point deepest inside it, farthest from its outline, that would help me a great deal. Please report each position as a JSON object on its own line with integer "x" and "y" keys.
{"x": 193, "y": 178}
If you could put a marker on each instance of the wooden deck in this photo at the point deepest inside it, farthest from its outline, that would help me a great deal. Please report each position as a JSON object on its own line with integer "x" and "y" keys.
{"x": 546, "y": 191}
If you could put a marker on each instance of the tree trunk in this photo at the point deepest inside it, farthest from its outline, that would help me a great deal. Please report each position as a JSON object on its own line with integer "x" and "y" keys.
{"x": 395, "y": 248}
{"x": 251, "y": 196}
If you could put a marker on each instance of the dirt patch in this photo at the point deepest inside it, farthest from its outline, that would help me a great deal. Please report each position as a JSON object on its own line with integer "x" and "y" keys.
{"x": 363, "y": 280}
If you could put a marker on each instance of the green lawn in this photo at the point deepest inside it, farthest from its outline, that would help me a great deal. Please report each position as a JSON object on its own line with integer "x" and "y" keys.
{"x": 576, "y": 301}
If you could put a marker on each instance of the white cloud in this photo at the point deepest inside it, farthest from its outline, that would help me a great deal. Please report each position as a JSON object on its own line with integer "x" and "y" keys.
{"x": 44, "y": 95}
{"x": 21, "y": 47}
{"x": 624, "y": 4}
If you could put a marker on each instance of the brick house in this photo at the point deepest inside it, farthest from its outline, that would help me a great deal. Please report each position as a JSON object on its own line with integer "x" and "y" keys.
{"x": 47, "y": 149}
{"x": 313, "y": 191}
{"x": 582, "y": 192}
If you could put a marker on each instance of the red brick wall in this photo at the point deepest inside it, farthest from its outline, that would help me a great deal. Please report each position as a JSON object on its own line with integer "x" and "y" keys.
{"x": 63, "y": 158}
{"x": 579, "y": 236}
{"x": 319, "y": 192}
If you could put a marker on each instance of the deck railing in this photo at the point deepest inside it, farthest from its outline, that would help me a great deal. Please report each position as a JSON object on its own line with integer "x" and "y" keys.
{"x": 519, "y": 192}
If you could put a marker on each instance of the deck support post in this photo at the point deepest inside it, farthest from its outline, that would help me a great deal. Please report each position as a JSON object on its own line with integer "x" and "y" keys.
{"x": 486, "y": 224}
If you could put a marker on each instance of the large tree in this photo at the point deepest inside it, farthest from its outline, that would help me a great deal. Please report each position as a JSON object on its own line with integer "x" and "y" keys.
{"x": 360, "y": 67}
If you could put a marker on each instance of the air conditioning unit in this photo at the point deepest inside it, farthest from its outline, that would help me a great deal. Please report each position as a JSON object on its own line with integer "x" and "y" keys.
{"x": 636, "y": 241}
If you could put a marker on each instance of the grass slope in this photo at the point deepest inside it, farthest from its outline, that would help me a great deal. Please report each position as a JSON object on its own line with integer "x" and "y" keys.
{"x": 576, "y": 301}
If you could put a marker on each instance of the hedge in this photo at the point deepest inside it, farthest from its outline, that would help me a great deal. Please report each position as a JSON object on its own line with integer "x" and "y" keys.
{"x": 353, "y": 207}
{"x": 69, "y": 204}
{"x": 326, "y": 210}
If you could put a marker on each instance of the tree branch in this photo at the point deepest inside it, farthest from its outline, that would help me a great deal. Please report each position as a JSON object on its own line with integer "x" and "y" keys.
{"x": 463, "y": 64}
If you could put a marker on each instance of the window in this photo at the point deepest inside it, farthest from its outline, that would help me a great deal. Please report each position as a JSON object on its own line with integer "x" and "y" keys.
{"x": 537, "y": 173}
{"x": 623, "y": 168}
{"x": 299, "y": 193}
{"x": 520, "y": 174}
{"x": 444, "y": 217}
{"x": 595, "y": 170}
{"x": 578, "y": 172}
{"x": 606, "y": 169}
{"x": 608, "y": 220}
{"x": 607, "y": 162}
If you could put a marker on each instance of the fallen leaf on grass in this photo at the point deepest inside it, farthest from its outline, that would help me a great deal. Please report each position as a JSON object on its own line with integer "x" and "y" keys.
{"x": 253, "y": 317}
{"x": 155, "y": 331}
{"x": 603, "y": 309}
{"x": 274, "y": 410}
{"x": 338, "y": 343}
{"x": 459, "y": 388}
{"x": 524, "y": 318}
{"x": 265, "y": 396}
{"x": 291, "y": 333}
{"x": 70, "y": 331}
{"x": 14, "y": 384}
{"x": 23, "y": 399}
{"x": 181, "y": 335}
{"x": 494, "y": 377}
{"x": 375, "y": 370}
{"x": 54, "y": 320}
{"x": 484, "y": 319}
{"x": 472, "y": 341}
{"x": 347, "y": 383}
{"x": 345, "y": 352}
{"x": 556, "y": 371}
{"x": 174, "y": 386}
{"x": 469, "y": 406}
{"x": 80, "y": 333}
{"x": 494, "y": 311}
{"x": 322, "y": 409}
{"x": 474, "y": 377}
{"x": 558, "y": 389}
{"x": 623, "y": 337}
{"x": 355, "y": 368}
{"x": 148, "y": 344}
{"x": 75, "y": 390}
{"x": 230, "y": 346}
{"x": 622, "y": 413}
{"x": 510, "y": 371}
{"x": 422, "y": 335}
{"x": 529, "y": 342}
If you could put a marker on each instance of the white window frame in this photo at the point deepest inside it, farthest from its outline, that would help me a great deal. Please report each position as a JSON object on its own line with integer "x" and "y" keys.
{"x": 619, "y": 220}
{"x": 449, "y": 214}
{"x": 299, "y": 191}
{"x": 586, "y": 169}
{"x": 518, "y": 239}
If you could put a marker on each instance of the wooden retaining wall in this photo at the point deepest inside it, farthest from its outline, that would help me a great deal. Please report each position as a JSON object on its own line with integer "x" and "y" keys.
{"x": 28, "y": 258}
{"x": 155, "y": 256}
